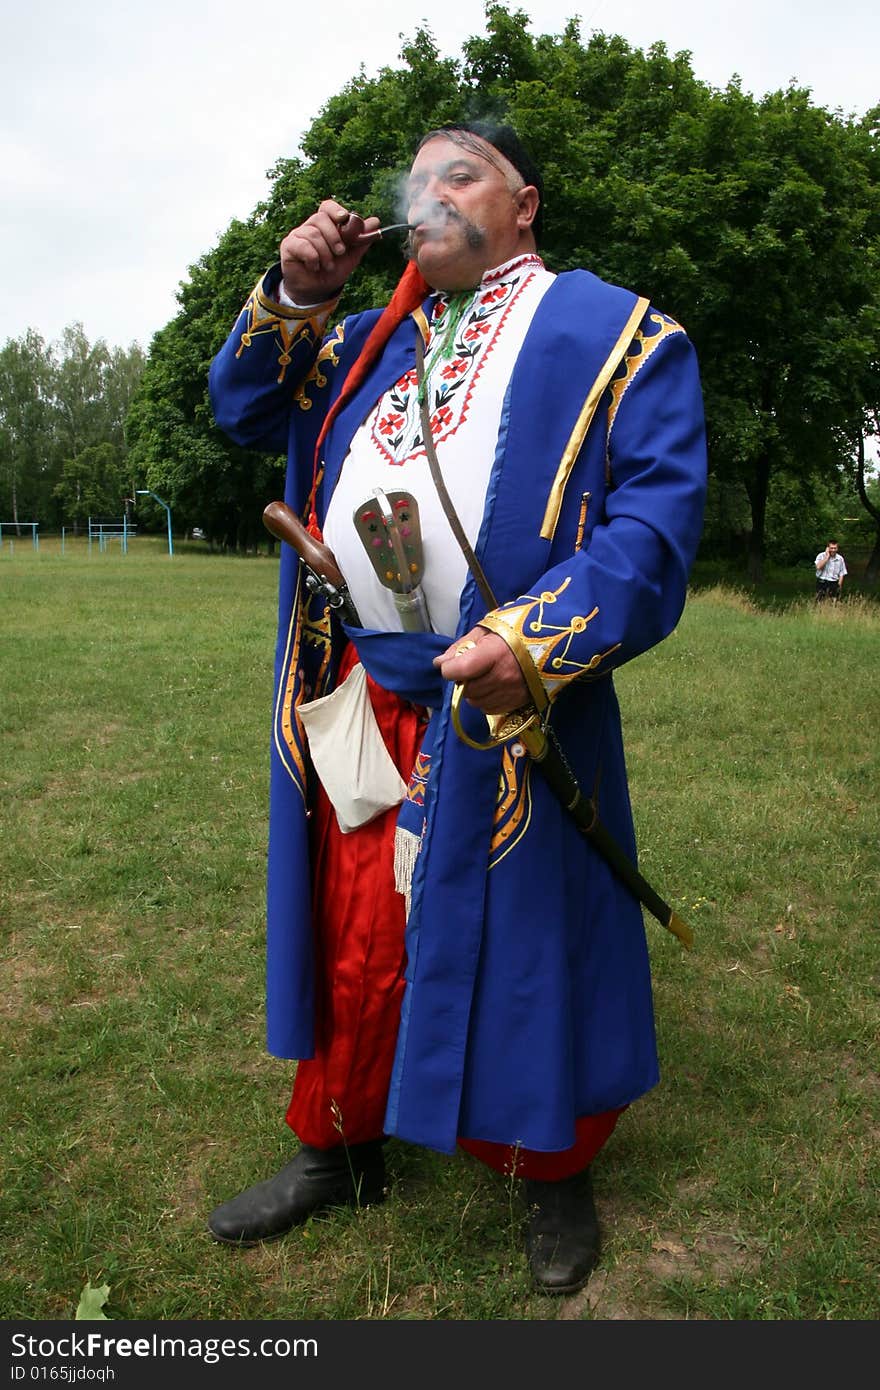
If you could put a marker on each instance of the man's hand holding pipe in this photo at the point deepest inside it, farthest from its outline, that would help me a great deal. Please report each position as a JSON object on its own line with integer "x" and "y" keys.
{"x": 318, "y": 256}
{"x": 488, "y": 671}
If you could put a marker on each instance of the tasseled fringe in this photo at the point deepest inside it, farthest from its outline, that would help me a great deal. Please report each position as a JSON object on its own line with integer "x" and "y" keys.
{"x": 406, "y": 852}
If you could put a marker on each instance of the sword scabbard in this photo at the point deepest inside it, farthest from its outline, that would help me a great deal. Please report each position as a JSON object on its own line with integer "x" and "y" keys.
{"x": 526, "y": 725}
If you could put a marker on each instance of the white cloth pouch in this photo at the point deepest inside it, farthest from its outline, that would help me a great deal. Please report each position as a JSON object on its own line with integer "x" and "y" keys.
{"x": 356, "y": 770}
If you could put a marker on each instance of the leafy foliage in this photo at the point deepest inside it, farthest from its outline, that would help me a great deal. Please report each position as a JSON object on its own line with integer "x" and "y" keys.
{"x": 25, "y": 426}
{"x": 755, "y": 222}
{"x": 63, "y": 451}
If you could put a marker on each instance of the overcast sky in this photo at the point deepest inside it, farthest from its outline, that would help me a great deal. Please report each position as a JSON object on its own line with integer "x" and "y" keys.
{"x": 131, "y": 133}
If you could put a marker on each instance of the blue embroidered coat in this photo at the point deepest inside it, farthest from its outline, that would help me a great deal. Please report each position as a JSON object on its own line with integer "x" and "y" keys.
{"x": 528, "y": 999}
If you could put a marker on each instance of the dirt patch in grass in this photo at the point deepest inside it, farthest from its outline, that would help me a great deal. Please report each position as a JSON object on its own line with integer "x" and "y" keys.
{"x": 866, "y": 1082}
{"x": 633, "y": 1288}
{"x": 188, "y": 1200}
{"x": 716, "y": 1253}
{"x": 630, "y": 1286}
{"x": 23, "y": 975}
{"x": 36, "y": 971}
{"x": 610, "y": 1296}
{"x": 419, "y": 1301}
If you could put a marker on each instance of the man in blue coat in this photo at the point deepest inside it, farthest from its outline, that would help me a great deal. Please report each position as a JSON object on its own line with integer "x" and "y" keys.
{"x": 448, "y": 956}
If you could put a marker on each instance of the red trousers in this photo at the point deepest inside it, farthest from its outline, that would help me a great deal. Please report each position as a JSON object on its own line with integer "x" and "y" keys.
{"x": 359, "y": 919}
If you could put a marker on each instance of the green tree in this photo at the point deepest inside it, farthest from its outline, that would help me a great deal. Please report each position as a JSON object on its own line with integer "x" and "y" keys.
{"x": 77, "y": 388}
{"x": 26, "y": 426}
{"x": 62, "y": 426}
{"x": 755, "y": 222}
{"x": 175, "y": 447}
{"x": 94, "y": 482}
{"x": 92, "y": 387}
{"x": 788, "y": 337}
{"x": 358, "y": 146}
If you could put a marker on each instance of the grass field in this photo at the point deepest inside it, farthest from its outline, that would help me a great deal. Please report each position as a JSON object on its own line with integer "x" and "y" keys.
{"x": 135, "y": 694}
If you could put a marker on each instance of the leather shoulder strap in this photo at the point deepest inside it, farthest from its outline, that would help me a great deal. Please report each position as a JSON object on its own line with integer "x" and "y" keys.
{"x": 445, "y": 500}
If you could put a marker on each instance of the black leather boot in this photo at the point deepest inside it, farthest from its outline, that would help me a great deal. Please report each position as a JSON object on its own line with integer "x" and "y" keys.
{"x": 562, "y": 1235}
{"x": 314, "y": 1180}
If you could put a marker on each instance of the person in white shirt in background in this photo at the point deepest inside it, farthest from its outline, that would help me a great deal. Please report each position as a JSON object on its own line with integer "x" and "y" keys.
{"x": 830, "y": 571}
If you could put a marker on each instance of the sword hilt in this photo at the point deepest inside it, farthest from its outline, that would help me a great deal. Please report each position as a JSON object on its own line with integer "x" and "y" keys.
{"x": 502, "y": 727}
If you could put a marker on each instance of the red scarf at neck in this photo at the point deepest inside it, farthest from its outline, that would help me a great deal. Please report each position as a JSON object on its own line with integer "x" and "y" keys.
{"x": 412, "y": 288}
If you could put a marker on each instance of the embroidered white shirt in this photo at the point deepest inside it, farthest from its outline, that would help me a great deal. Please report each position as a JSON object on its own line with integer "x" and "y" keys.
{"x": 467, "y": 379}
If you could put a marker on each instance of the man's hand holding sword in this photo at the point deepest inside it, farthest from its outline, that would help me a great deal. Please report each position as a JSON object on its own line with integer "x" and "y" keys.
{"x": 487, "y": 670}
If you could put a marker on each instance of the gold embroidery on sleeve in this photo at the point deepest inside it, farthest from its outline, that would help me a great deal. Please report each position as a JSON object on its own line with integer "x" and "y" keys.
{"x": 315, "y": 377}
{"x": 289, "y": 326}
{"x": 529, "y": 632}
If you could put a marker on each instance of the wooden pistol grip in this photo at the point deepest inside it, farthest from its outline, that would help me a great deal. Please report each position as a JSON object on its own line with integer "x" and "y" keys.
{"x": 285, "y": 525}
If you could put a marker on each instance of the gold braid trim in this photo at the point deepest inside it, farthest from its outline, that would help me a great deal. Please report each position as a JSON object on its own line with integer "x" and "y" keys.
{"x": 312, "y": 313}
{"x": 542, "y": 649}
{"x": 288, "y": 745}
{"x": 315, "y": 377}
{"x": 513, "y": 810}
{"x": 422, "y": 324}
{"x": 288, "y": 325}
{"x": 304, "y": 630}
{"x": 585, "y": 419}
{"x": 505, "y": 625}
{"x": 643, "y": 346}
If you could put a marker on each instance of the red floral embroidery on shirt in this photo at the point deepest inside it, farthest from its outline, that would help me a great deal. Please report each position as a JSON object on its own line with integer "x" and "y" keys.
{"x": 396, "y": 426}
{"x": 389, "y": 423}
{"x": 454, "y": 369}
